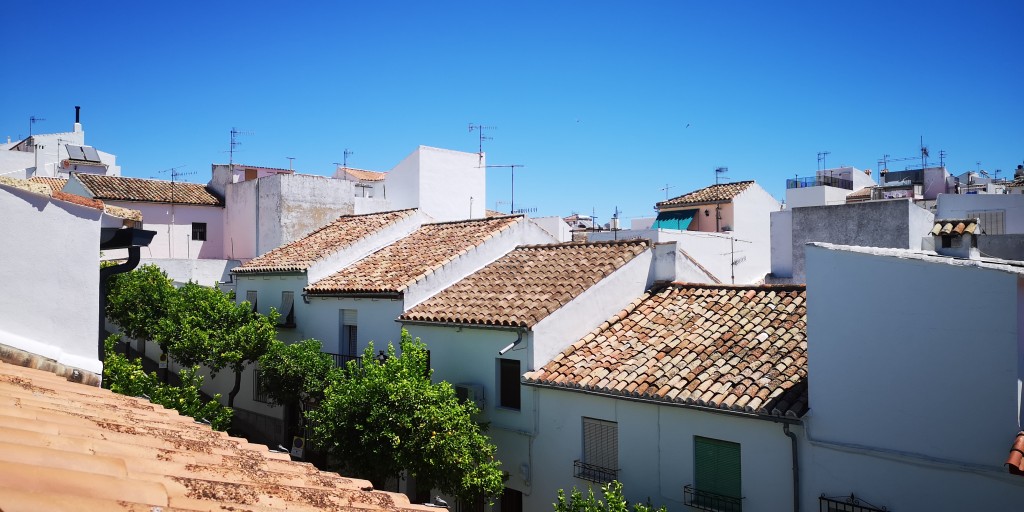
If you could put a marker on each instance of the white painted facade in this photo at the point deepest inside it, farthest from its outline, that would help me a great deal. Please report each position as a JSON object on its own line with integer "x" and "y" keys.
{"x": 53, "y": 312}
{"x": 556, "y": 226}
{"x": 1010, "y": 207}
{"x": 43, "y": 155}
{"x": 445, "y": 184}
{"x": 824, "y": 194}
{"x": 915, "y": 370}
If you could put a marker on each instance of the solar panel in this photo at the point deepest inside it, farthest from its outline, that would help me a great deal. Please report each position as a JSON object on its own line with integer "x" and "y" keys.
{"x": 90, "y": 154}
{"x": 75, "y": 152}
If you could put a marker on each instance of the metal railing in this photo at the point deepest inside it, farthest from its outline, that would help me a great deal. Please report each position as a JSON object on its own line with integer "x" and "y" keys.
{"x": 594, "y": 473}
{"x": 258, "y": 395}
{"x": 706, "y": 500}
{"x": 849, "y": 503}
{"x": 342, "y": 360}
{"x": 819, "y": 181}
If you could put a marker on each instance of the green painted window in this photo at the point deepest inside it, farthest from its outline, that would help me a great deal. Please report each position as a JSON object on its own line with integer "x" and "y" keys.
{"x": 717, "y": 467}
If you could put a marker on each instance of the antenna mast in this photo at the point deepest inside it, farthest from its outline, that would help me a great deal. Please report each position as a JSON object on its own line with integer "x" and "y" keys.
{"x": 666, "y": 189}
{"x": 235, "y": 132}
{"x": 512, "y": 206}
{"x": 821, "y": 159}
{"x": 924, "y": 154}
{"x": 720, "y": 174}
{"x": 479, "y": 128}
{"x": 290, "y": 160}
{"x": 31, "y": 121}
{"x": 175, "y": 174}
{"x": 344, "y": 157}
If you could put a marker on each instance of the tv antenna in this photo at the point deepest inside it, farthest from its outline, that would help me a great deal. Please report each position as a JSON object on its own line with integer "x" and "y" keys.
{"x": 614, "y": 224}
{"x": 720, "y": 174}
{"x": 290, "y": 160}
{"x": 512, "y": 205}
{"x": 232, "y": 147}
{"x": 821, "y": 159}
{"x": 31, "y": 121}
{"x": 665, "y": 189}
{"x": 942, "y": 158}
{"x": 174, "y": 174}
{"x": 479, "y": 128}
{"x": 924, "y": 154}
{"x": 344, "y": 157}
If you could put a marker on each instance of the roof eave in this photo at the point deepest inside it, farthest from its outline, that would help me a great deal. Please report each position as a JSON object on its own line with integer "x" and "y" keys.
{"x": 465, "y": 325}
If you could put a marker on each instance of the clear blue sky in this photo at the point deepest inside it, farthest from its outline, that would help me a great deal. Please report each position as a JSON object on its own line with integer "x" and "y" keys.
{"x": 604, "y": 102}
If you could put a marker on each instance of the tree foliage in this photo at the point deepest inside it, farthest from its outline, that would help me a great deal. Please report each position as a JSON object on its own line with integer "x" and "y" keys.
{"x": 614, "y": 501}
{"x": 126, "y": 377}
{"x": 296, "y": 373}
{"x": 137, "y": 300}
{"x": 386, "y": 417}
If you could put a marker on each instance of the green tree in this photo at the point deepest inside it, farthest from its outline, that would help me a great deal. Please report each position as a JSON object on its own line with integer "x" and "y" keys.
{"x": 293, "y": 376}
{"x": 126, "y": 377}
{"x": 381, "y": 418}
{"x": 137, "y": 300}
{"x": 205, "y": 326}
{"x": 614, "y": 501}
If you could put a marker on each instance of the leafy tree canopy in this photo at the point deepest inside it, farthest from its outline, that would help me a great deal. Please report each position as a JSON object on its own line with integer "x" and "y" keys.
{"x": 296, "y": 373}
{"x": 137, "y": 300}
{"x": 614, "y": 501}
{"x": 386, "y": 417}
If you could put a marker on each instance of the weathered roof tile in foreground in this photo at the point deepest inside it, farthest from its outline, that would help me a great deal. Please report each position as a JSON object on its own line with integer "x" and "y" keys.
{"x": 1015, "y": 462}
{"x": 737, "y": 348}
{"x": 304, "y": 252}
{"x": 54, "y": 183}
{"x": 68, "y": 446}
{"x": 120, "y": 188}
{"x": 956, "y": 227}
{"x": 717, "y": 193}
{"x": 526, "y": 285}
{"x": 403, "y": 263}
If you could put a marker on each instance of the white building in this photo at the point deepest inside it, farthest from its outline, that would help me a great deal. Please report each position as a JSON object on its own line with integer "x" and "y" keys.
{"x": 55, "y": 155}
{"x": 723, "y": 230}
{"x": 691, "y": 396}
{"x": 827, "y": 187}
{"x": 51, "y": 275}
{"x": 915, "y": 370}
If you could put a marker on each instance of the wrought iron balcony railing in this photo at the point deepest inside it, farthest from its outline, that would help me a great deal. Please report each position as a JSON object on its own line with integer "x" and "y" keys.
{"x": 706, "y": 500}
{"x": 819, "y": 181}
{"x": 593, "y": 472}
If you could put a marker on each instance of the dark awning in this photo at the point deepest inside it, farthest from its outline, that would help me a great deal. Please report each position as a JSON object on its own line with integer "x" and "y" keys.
{"x": 679, "y": 219}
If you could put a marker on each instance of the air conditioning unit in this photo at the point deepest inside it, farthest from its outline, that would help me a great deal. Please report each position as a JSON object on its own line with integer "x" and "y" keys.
{"x": 471, "y": 393}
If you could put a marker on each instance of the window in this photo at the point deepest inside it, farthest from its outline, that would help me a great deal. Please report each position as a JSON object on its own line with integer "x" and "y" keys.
{"x": 600, "y": 461}
{"x": 349, "y": 335}
{"x": 508, "y": 383}
{"x": 250, "y": 297}
{"x": 257, "y": 394}
{"x": 198, "y": 231}
{"x": 716, "y": 475}
{"x": 287, "y": 309}
{"x": 511, "y": 501}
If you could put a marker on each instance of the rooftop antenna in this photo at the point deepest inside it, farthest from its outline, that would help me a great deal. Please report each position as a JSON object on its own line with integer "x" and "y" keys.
{"x": 344, "y": 157}
{"x": 821, "y": 159}
{"x": 31, "y": 121}
{"x": 924, "y": 154}
{"x": 480, "y": 129}
{"x": 720, "y": 174}
{"x": 942, "y": 158}
{"x": 512, "y": 205}
{"x": 615, "y": 223}
{"x": 235, "y": 132}
{"x": 290, "y": 160}
{"x": 175, "y": 174}
{"x": 665, "y": 189}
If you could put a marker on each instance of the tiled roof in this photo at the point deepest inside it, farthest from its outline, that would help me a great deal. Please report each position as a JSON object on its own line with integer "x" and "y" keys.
{"x": 1015, "y": 462}
{"x": 403, "y": 263}
{"x": 304, "y": 252}
{"x": 68, "y": 446}
{"x": 738, "y": 348}
{"x": 120, "y": 188}
{"x": 713, "y": 194}
{"x": 45, "y": 187}
{"x": 863, "y": 194}
{"x": 55, "y": 183}
{"x": 494, "y": 213}
{"x": 364, "y": 175}
{"x": 956, "y": 227}
{"x": 526, "y": 285}
{"x": 26, "y": 185}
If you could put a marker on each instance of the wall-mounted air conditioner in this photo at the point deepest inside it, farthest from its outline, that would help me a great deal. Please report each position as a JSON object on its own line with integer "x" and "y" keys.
{"x": 471, "y": 393}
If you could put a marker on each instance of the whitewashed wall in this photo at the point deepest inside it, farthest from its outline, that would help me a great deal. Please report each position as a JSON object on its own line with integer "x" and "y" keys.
{"x": 752, "y": 229}
{"x": 205, "y": 272}
{"x": 173, "y": 226}
{"x": 956, "y": 206}
{"x": 241, "y": 216}
{"x": 782, "y": 243}
{"x": 896, "y": 375}
{"x": 821, "y": 195}
{"x": 403, "y": 182}
{"x": 376, "y": 320}
{"x": 453, "y": 184}
{"x": 655, "y": 449}
{"x": 50, "y": 273}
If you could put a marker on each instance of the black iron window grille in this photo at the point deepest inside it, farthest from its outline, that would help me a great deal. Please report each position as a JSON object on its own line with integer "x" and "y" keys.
{"x": 199, "y": 231}
{"x": 258, "y": 395}
{"x": 707, "y": 500}
{"x": 849, "y": 503}
{"x": 594, "y": 473}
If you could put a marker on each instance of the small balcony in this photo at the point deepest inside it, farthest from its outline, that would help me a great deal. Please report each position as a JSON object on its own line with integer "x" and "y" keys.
{"x": 706, "y": 500}
{"x": 341, "y": 360}
{"x": 819, "y": 181}
{"x": 593, "y": 472}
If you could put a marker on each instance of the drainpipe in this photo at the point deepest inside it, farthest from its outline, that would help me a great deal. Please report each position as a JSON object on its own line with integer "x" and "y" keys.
{"x": 134, "y": 256}
{"x": 796, "y": 468}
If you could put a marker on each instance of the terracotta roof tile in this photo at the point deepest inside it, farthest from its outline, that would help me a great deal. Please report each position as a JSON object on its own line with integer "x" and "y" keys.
{"x": 526, "y": 285}
{"x": 712, "y": 194}
{"x": 393, "y": 268}
{"x": 364, "y": 175}
{"x": 304, "y": 252}
{"x": 66, "y": 446}
{"x": 739, "y": 348}
{"x": 120, "y": 188}
{"x": 1015, "y": 462}
{"x": 54, "y": 183}
{"x": 955, "y": 227}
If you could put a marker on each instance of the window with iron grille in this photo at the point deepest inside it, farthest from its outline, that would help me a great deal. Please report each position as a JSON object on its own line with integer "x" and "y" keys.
{"x": 508, "y": 383}
{"x": 250, "y": 297}
{"x": 257, "y": 394}
{"x": 600, "y": 462}
{"x": 287, "y": 309}
{"x": 716, "y": 475}
{"x": 198, "y": 231}
{"x": 349, "y": 336}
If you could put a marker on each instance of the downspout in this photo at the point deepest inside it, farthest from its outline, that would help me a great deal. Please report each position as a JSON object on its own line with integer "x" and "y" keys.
{"x": 134, "y": 256}
{"x": 796, "y": 468}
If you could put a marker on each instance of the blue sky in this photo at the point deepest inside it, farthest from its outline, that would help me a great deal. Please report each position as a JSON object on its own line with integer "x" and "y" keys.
{"x": 604, "y": 103}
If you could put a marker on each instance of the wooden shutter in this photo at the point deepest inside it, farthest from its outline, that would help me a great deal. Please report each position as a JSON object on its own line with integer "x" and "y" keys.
{"x": 717, "y": 466}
